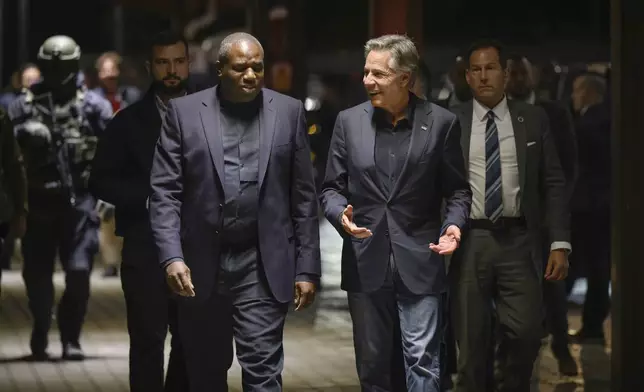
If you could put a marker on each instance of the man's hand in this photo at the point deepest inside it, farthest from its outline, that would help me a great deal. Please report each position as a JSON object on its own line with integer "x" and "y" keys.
{"x": 178, "y": 277}
{"x": 448, "y": 242}
{"x": 18, "y": 226}
{"x": 304, "y": 294}
{"x": 557, "y": 268}
{"x": 350, "y": 227}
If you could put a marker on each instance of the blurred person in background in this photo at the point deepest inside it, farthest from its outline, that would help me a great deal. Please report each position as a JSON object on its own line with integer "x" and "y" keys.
{"x": 13, "y": 187}
{"x": 27, "y": 75}
{"x": 106, "y": 76}
{"x": 422, "y": 87}
{"x": 108, "y": 73}
{"x": 121, "y": 176}
{"x": 591, "y": 221}
{"x": 58, "y": 150}
{"x": 521, "y": 87}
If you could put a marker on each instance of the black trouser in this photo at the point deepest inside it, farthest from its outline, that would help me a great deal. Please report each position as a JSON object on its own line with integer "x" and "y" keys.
{"x": 4, "y": 245}
{"x": 8, "y": 246}
{"x": 150, "y": 310}
{"x": 242, "y": 307}
{"x": 496, "y": 267}
{"x": 592, "y": 252}
{"x": 53, "y": 225}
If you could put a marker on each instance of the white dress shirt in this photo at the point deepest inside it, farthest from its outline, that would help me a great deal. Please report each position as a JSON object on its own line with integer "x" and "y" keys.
{"x": 509, "y": 164}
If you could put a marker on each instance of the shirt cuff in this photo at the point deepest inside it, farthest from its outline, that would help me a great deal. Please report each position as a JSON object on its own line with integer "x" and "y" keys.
{"x": 308, "y": 278}
{"x": 565, "y": 245}
{"x": 171, "y": 260}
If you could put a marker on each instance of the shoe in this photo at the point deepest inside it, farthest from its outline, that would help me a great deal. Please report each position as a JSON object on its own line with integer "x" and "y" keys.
{"x": 111, "y": 272}
{"x": 73, "y": 352}
{"x": 585, "y": 336}
{"x": 567, "y": 365}
{"x": 38, "y": 356}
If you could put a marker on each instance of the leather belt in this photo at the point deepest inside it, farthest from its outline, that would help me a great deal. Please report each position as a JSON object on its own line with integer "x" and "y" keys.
{"x": 501, "y": 223}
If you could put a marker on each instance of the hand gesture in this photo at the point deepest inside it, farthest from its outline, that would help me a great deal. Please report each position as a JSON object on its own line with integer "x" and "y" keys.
{"x": 304, "y": 294}
{"x": 179, "y": 280}
{"x": 448, "y": 242}
{"x": 350, "y": 227}
{"x": 557, "y": 268}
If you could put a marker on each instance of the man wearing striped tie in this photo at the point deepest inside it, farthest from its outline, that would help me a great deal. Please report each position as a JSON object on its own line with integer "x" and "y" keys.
{"x": 516, "y": 179}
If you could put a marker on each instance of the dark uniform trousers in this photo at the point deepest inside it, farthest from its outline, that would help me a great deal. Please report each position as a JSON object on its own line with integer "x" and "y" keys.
{"x": 150, "y": 311}
{"x": 54, "y": 225}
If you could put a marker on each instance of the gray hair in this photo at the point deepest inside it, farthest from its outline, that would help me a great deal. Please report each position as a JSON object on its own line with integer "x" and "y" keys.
{"x": 594, "y": 83}
{"x": 230, "y": 40}
{"x": 404, "y": 56}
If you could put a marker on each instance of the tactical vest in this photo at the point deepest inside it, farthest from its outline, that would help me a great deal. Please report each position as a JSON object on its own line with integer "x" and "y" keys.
{"x": 58, "y": 142}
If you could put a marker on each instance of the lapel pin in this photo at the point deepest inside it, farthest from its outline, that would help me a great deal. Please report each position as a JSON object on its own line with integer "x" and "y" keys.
{"x": 520, "y": 119}
{"x": 423, "y": 127}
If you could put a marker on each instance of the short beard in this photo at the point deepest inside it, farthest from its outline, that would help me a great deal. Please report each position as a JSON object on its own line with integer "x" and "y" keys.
{"x": 171, "y": 91}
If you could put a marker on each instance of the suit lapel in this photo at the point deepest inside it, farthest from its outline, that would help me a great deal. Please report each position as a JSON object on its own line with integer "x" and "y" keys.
{"x": 520, "y": 139}
{"x": 467, "y": 111}
{"x": 211, "y": 127}
{"x": 421, "y": 129}
{"x": 267, "y": 129}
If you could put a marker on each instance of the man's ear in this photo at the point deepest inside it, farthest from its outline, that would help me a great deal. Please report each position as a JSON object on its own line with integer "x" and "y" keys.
{"x": 219, "y": 66}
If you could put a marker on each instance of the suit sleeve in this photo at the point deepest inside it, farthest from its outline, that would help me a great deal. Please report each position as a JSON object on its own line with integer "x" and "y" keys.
{"x": 334, "y": 197}
{"x": 166, "y": 181}
{"x": 109, "y": 179}
{"x": 553, "y": 186}
{"x": 304, "y": 207}
{"x": 455, "y": 187}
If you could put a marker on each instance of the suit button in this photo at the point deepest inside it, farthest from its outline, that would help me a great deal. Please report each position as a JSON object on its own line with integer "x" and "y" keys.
{"x": 216, "y": 231}
{"x": 387, "y": 233}
{"x": 221, "y": 205}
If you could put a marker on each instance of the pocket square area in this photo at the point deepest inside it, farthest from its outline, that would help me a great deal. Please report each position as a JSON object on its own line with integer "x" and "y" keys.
{"x": 531, "y": 143}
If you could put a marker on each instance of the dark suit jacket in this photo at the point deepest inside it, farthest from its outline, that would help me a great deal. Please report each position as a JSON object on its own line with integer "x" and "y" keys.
{"x": 542, "y": 181}
{"x": 123, "y": 162}
{"x": 563, "y": 135}
{"x": 187, "y": 192}
{"x": 593, "y": 189}
{"x": 410, "y": 216}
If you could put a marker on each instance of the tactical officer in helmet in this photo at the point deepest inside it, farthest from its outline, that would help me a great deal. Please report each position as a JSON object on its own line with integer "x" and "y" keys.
{"x": 57, "y": 125}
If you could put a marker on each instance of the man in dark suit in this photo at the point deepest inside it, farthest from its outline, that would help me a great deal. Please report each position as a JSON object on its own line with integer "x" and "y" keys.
{"x": 591, "y": 223}
{"x": 235, "y": 218}
{"x": 121, "y": 176}
{"x": 520, "y": 87}
{"x": 512, "y": 165}
{"x": 391, "y": 163}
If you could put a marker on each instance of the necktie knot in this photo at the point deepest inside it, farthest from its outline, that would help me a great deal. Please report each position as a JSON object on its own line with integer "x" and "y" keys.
{"x": 490, "y": 115}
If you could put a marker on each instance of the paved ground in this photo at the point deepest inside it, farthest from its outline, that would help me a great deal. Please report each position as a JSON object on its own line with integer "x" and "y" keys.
{"x": 318, "y": 344}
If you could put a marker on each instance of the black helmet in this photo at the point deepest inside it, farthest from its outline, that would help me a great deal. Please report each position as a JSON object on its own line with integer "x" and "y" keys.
{"x": 58, "y": 58}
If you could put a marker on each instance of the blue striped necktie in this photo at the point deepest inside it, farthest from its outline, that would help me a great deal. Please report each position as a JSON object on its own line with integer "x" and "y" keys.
{"x": 493, "y": 188}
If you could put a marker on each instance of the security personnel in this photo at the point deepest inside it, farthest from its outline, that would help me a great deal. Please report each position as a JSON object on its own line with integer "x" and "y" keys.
{"x": 57, "y": 125}
{"x": 13, "y": 185}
